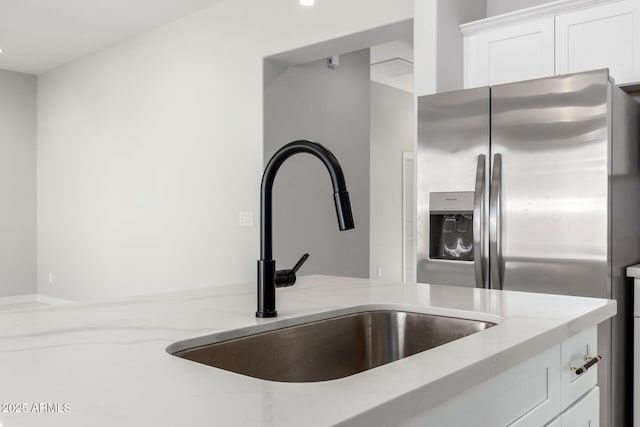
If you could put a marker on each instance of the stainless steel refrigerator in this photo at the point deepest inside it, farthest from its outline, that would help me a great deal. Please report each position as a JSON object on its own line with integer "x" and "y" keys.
{"x": 535, "y": 186}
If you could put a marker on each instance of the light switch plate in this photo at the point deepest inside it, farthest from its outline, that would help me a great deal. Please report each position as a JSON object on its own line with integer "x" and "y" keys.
{"x": 245, "y": 218}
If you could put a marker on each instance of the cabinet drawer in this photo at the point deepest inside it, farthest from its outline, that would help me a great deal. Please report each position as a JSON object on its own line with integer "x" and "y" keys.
{"x": 584, "y": 413}
{"x": 557, "y": 422}
{"x": 573, "y": 353}
{"x": 542, "y": 391}
{"x": 527, "y": 395}
{"x": 636, "y": 298}
{"x": 636, "y": 372}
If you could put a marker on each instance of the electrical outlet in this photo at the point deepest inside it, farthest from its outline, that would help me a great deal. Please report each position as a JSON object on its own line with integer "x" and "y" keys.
{"x": 379, "y": 271}
{"x": 51, "y": 278}
{"x": 245, "y": 218}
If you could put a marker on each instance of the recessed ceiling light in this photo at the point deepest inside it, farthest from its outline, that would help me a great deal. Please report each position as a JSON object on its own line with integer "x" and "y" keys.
{"x": 307, "y": 2}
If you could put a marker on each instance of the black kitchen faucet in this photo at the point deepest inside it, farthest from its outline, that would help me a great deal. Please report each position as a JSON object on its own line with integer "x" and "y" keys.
{"x": 268, "y": 277}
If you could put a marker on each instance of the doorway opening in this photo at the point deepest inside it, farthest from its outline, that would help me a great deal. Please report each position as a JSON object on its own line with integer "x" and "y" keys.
{"x": 355, "y": 96}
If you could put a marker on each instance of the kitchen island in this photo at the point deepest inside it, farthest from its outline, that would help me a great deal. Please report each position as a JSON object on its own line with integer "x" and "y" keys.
{"x": 105, "y": 363}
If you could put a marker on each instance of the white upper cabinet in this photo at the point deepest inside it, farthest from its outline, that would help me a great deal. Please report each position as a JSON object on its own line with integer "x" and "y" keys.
{"x": 606, "y": 36}
{"x": 508, "y": 54}
{"x": 557, "y": 38}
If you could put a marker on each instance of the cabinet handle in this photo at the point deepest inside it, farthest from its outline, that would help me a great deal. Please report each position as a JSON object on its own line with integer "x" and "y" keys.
{"x": 591, "y": 361}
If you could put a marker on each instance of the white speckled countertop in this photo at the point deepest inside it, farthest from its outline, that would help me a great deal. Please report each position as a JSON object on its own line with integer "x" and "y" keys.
{"x": 105, "y": 364}
{"x": 634, "y": 271}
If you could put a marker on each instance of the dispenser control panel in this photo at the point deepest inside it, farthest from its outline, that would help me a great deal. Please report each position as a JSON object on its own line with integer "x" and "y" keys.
{"x": 460, "y": 201}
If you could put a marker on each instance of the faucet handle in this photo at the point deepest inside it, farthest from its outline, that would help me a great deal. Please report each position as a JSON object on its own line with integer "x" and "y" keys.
{"x": 301, "y": 261}
{"x": 285, "y": 278}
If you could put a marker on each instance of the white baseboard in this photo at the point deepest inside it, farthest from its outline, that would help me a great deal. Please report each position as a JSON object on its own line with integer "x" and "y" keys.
{"x": 18, "y": 299}
{"x": 25, "y": 299}
{"x": 46, "y": 299}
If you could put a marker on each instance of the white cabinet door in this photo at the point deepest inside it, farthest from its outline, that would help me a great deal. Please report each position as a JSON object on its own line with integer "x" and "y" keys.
{"x": 527, "y": 395}
{"x": 574, "y": 351}
{"x": 636, "y": 361}
{"x": 509, "y": 54}
{"x": 557, "y": 422}
{"x": 584, "y": 413}
{"x": 605, "y": 36}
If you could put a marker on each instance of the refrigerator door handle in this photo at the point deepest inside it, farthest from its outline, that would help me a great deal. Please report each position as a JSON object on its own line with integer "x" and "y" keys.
{"x": 495, "y": 229}
{"x": 478, "y": 223}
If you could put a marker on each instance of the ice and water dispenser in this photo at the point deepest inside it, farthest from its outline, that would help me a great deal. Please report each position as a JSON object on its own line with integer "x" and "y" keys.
{"x": 451, "y": 226}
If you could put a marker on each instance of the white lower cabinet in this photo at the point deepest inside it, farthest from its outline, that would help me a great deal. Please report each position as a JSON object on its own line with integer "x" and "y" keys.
{"x": 557, "y": 422}
{"x": 575, "y": 352}
{"x": 542, "y": 391}
{"x": 583, "y": 413}
{"x": 636, "y": 360}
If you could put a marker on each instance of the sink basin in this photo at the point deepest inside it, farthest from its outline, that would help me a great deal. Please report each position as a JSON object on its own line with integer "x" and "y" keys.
{"x": 330, "y": 348}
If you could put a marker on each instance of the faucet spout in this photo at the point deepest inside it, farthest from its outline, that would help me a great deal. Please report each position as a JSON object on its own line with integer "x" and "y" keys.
{"x": 266, "y": 264}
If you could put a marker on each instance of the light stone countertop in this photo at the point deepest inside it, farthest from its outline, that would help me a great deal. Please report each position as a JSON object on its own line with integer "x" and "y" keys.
{"x": 105, "y": 364}
{"x": 634, "y": 271}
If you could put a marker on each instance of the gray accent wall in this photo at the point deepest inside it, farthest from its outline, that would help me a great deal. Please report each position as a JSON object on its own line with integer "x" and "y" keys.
{"x": 312, "y": 101}
{"x": 438, "y": 43}
{"x": 450, "y": 50}
{"x": 17, "y": 183}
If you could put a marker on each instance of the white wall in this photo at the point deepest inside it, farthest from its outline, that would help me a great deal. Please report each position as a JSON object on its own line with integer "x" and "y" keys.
{"x": 17, "y": 183}
{"x": 425, "y": 45}
{"x": 330, "y": 106}
{"x": 498, "y": 7}
{"x": 148, "y": 150}
{"x": 392, "y": 128}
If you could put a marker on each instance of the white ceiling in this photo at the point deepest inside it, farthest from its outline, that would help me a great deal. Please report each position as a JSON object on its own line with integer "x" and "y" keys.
{"x": 38, "y": 35}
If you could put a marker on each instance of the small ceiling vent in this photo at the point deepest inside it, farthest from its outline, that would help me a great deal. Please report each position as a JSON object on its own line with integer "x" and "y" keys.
{"x": 394, "y": 67}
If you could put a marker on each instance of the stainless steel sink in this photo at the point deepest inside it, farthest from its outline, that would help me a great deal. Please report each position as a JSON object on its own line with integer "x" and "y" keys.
{"x": 331, "y": 348}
